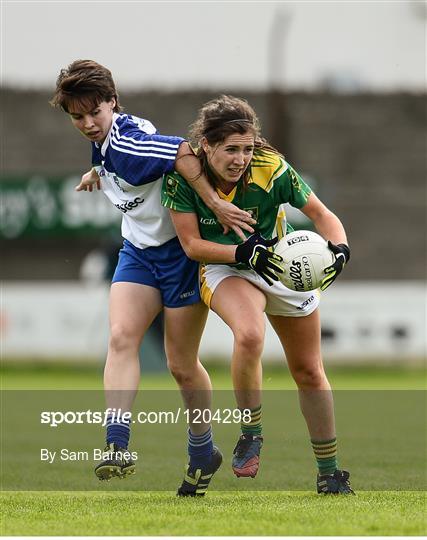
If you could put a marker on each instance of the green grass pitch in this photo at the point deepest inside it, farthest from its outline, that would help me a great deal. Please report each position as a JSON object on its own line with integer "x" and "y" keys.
{"x": 218, "y": 514}
{"x": 231, "y": 512}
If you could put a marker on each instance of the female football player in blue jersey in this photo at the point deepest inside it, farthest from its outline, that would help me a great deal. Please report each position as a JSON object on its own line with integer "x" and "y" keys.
{"x": 153, "y": 273}
{"x": 247, "y": 171}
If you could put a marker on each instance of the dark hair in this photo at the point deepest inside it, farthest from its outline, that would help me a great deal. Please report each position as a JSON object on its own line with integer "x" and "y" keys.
{"x": 221, "y": 117}
{"x": 85, "y": 83}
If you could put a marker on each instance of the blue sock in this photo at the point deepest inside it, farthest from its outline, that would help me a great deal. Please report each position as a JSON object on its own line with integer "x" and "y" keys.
{"x": 118, "y": 432}
{"x": 200, "y": 448}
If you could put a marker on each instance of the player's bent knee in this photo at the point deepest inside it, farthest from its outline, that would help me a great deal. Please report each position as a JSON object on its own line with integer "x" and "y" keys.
{"x": 123, "y": 339}
{"x": 308, "y": 377}
{"x": 183, "y": 376}
{"x": 250, "y": 340}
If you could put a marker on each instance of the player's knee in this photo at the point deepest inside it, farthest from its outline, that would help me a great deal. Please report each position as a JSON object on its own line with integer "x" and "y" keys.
{"x": 122, "y": 339}
{"x": 182, "y": 374}
{"x": 250, "y": 340}
{"x": 310, "y": 377}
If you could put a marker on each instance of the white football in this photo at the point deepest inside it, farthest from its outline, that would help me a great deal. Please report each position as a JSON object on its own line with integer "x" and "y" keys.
{"x": 305, "y": 255}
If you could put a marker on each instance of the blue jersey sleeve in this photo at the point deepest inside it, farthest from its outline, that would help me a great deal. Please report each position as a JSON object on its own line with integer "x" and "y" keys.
{"x": 139, "y": 157}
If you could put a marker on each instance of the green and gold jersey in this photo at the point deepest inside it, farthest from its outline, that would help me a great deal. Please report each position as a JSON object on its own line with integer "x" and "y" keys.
{"x": 272, "y": 183}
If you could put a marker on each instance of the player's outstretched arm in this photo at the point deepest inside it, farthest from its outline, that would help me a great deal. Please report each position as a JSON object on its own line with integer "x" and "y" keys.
{"x": 88, "y": 181}
{"x": 229, "y": 215}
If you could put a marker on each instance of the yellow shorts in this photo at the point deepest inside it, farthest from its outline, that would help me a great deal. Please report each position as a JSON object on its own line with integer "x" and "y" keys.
{"x": 280, "y": 299}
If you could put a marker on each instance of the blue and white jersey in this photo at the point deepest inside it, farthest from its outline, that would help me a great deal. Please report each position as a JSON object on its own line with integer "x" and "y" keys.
{"x": 131, "y": 163}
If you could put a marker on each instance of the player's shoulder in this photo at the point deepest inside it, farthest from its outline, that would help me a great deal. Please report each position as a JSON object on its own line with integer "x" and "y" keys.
{"x": 176, "y": 193}
{"x": 131, "y": 124}
{"x": 266, "y": 167}
{"x": 173, "y": 182}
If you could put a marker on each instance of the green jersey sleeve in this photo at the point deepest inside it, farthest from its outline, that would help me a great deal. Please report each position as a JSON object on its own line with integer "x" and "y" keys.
{"x": 177, "y": 194}
{"x": 291, "y": 188}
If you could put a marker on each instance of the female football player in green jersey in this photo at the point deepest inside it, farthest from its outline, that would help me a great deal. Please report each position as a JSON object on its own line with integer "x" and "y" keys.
{"x": 246, "y": 170}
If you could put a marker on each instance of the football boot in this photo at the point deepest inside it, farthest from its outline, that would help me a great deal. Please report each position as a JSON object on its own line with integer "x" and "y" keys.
{"x": 196, "y": 480}
{"x": 334, "y": 484}
{"x": 117, "y": 463}
{"x": 246, "y": 455}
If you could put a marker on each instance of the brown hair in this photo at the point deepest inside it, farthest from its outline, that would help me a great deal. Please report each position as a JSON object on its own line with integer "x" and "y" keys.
{"x": 221, "y": 117}
{"x": 84, "y": 83}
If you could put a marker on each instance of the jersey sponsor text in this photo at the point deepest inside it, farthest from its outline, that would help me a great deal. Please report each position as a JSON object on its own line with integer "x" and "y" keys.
{"x": 129, "y": 205}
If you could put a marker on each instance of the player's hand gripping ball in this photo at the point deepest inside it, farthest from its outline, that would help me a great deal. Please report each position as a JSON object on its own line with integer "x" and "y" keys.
{"x": 309, "y": 262}
{"x": 254, "y": 252}
{"x": 342, "y": 256}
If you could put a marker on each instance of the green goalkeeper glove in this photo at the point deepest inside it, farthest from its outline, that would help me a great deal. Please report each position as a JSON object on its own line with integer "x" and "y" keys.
{"x": 342, "y": 256}
{"x": 255, "y": 254}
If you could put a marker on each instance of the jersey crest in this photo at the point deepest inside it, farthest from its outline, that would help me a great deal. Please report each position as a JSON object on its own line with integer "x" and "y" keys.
{"x": 171, "y": 185}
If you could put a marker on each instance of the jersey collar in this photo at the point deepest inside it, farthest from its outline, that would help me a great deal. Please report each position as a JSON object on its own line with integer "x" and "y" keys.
{"x": 107, "y": 138}
{"x": 228, "y": 197}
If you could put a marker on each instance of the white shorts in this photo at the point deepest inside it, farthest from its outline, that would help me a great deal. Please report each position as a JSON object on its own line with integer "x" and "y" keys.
{"x": 280, "y": 299}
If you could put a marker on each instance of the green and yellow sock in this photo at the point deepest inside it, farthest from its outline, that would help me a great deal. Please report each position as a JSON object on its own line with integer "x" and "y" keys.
{"x": 325, "y": 453}
{"x": 252, "y": 426}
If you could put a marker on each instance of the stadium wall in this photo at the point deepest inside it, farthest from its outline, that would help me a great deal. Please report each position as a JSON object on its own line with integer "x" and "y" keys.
{"x": 361, "y": 321}
{"x": 364, "y": 154}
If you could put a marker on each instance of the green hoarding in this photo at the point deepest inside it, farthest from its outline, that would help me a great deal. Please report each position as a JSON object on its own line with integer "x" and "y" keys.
{"x": 39, "y": 206}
